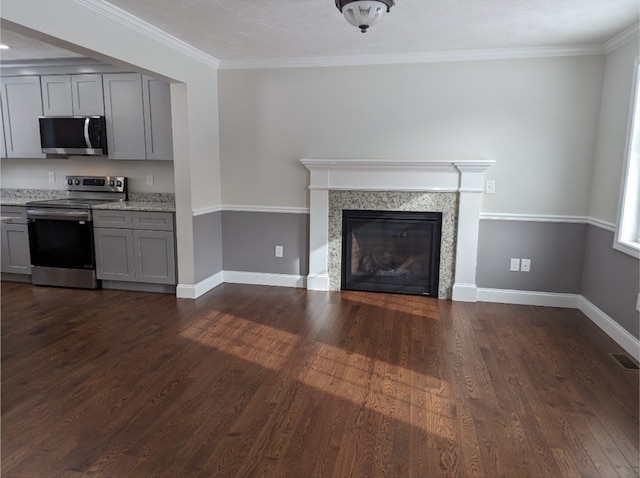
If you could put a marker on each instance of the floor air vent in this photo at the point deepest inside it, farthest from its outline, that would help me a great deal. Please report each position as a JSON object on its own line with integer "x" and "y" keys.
{"x": 626, "y": 361}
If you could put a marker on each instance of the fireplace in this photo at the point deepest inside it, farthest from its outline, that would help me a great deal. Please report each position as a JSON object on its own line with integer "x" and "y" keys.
{"x": 383, "y": 181}
{"x": 391, "y": 251}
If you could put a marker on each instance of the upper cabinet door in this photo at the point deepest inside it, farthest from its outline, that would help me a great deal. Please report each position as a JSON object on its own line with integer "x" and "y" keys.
{"x": 66, "y": 95}
{"x": 87, "y": 96}
{"x": 156, "y": 97}
{"x": 56, "y": 95}
{"x": 22, "y": 104}
{"x": 124, "y": 115}
{"x": 3, "y": 146}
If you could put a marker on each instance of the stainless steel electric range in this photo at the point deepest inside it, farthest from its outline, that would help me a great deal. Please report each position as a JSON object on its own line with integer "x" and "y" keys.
{"x": 61, "y": 231}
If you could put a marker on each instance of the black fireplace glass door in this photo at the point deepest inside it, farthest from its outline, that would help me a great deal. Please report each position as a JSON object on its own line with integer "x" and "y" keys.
{"x": 391, "y": 251}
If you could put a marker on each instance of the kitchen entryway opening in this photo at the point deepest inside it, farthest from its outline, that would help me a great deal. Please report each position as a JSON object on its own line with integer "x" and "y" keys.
{"x": 391, "y": 251}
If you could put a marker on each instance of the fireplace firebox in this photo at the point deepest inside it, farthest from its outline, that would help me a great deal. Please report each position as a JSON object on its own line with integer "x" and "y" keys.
{"x": 391, "y": 251}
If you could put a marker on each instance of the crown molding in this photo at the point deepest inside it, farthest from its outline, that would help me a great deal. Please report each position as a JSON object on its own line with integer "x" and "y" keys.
{"x": 410, "y": 58}
{"x": 123, "y": 17}
{"x": 130, "y": 21}
{"x": 622, "y": 38}
{"x": 56, "y": 66}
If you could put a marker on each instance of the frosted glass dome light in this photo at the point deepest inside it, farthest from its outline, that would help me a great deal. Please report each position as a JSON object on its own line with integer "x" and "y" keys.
{"x": 364, "y": 13}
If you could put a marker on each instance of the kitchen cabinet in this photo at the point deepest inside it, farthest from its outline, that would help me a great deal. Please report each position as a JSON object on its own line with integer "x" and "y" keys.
{"x": 124, "y": 114}
{"x": 15, "y": 254}
{"x": 3, "y": 146}
{"x": 158, "y": 134}
{"x": 21, "y": 99}
{"x": 66, "y": 95}
{"x": 135, "y": 246}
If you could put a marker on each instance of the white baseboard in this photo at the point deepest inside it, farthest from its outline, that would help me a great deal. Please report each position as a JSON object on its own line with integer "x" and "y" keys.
{"x": 260, "y": 278}
{"x": 572, "y": 301}
{"x": 464, "y": 293}
{"x": 194, "y": 291}
{"x": 523, "y": 297}
{"x": 318, "y": 282}
{"x": 619, "y": 334}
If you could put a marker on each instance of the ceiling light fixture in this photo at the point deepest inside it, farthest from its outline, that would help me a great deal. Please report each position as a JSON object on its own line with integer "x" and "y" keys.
{"x": 364, "y": 13}
{"x": 4, "y": 47}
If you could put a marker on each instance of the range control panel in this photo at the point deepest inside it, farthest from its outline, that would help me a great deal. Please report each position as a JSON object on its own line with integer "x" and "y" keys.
{"x": 114, "y": 184}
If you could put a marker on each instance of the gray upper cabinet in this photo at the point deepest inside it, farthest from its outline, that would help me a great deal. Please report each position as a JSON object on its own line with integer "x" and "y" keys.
{"x": 137, "y": 110}
{"x": 66, "y": 95}
{"x": 156, "y": 97}
{"x": 125, "y": 115}
{"x": 3, "y": 147}
{"x": 56, "y": 95}
{"x": 21, "y": 98}
{"x": 86, "y": 95}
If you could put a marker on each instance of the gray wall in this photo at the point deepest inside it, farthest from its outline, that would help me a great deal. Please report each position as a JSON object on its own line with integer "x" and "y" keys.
{"x": 207, "y": 245}
{"x": 249, "y": 239}
{"x": 556, "y": 251}
{"x": 611, "y": 279}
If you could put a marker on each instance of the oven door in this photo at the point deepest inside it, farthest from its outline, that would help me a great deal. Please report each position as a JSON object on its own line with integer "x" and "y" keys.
{"x": 61, "y": 246}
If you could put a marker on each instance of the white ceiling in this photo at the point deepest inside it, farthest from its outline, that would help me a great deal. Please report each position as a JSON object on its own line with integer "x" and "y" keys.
{"x": 233, "y": 30}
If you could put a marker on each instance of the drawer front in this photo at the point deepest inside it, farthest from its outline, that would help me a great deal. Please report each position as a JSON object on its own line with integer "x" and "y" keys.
{"x": 153, "y": 221}
{"x": 113, "y": 219}
{"x": 14, "y": 214}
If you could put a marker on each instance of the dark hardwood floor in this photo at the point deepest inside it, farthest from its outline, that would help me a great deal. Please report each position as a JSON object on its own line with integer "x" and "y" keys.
{"x": 263, "y": 381}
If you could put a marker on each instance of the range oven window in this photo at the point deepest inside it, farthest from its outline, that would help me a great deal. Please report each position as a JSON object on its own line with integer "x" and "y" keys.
{"x": 65, "y": 244}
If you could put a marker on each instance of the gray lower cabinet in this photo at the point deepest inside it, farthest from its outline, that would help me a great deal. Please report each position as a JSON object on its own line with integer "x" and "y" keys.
{"x": 154, "y": 257}
{"x": 16, "y": 258}
{"x": 114, "y": 254}
{"x": 135, "y": 246}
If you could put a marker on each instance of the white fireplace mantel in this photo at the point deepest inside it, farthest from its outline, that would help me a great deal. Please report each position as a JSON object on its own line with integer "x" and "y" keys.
{"x": 416, "y": 175}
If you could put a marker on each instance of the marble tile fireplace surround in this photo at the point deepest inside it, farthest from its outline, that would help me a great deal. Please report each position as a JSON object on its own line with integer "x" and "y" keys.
{"x": 452, "y": 187}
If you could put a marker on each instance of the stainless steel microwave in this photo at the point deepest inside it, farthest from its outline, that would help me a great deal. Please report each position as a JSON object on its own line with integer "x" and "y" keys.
{"x": 73, "y": 135}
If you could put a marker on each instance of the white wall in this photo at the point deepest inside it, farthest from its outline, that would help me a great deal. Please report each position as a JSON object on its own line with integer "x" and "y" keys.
{"x": 536, "y": 117}
{"x": 612, "y": 132}
{"x": 34, "y": 173}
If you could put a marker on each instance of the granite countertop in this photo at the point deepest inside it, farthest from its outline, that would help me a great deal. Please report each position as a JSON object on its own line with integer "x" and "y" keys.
{"x": 5, "y": 201}
{"x": 159, "y": 206}
{"x": 161, "y": 202}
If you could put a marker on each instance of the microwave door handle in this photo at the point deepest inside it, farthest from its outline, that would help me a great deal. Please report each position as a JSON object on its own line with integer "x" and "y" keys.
{"x": 86, "y": 133}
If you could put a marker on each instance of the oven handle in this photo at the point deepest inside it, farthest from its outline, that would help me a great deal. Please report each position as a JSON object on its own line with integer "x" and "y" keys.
{"x": 86, "y": 133}
{"x": 60, "y": 215}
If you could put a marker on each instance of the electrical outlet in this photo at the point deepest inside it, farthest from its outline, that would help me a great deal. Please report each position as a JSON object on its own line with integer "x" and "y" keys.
{"x": 52, "y": 177}
{"x": 279, "y": 251}
{"x": 515, "y": 264}
{"x": 490, "y": 187}
{"x": 525, "y": 265}
{"x": 149, "y": 179}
